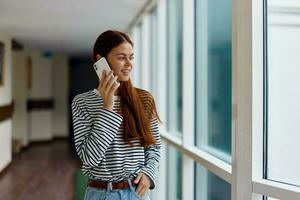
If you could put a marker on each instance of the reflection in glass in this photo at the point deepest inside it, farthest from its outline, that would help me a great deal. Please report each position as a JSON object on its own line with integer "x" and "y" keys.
{"x": 213, "y": 77}
{"x": 209, "y": 186}
{"x": 174, "y": 174}
{"x": 153, "y": 51}
{"x": 174, "y": 63}
{"x": 138, "y": 40}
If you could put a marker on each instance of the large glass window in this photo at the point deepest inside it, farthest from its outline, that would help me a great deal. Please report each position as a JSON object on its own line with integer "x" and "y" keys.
{"x": 174, "y": 62}
{"x": 137, "y": 78}
{"x": 209, "y": 186}
{"x": 153, "y": 61}
{"x": 282, "y": 93}
{"x": 213, "y": 77}
{"x": 174, "y": 174}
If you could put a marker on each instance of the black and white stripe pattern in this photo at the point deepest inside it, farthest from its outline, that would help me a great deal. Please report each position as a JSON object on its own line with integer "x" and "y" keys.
{"x": 100, "y": 145}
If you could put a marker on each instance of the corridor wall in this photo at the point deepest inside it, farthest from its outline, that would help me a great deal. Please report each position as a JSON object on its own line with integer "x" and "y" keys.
{"x": 20, "y": 86}
{"x": 5, "y": 100}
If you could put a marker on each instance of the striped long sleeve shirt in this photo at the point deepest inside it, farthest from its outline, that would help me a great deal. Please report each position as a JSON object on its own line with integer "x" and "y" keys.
{"x": 98, "y": 136}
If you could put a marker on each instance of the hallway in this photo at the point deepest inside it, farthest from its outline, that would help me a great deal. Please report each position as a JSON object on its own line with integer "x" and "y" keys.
{"x": 223, "y": 75}
{"x": 42, "y": 171}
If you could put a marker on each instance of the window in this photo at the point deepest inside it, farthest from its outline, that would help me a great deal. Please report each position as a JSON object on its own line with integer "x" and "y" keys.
{"x": 271, "y": 102}
{"x": 153, "y": 50}
{"x": 282, "y": 93}
{"x": 210, "y": 187}
{"x": 174, "y": 66}
{"x": 136, "y": 76}
{"x": 213, "y": 77}
{"x": 174, "y": 174}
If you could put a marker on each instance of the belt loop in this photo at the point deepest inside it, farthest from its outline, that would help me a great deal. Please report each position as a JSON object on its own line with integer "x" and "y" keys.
{"x": 130, "y": 184}
{"x": 109, "y": 186}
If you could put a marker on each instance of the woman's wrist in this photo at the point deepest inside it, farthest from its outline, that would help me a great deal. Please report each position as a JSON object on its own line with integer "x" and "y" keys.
{"x": 108, "y": 107}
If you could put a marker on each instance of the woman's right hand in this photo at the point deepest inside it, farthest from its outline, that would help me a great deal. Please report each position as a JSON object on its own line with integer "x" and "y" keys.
{"x": 107, "y": 87}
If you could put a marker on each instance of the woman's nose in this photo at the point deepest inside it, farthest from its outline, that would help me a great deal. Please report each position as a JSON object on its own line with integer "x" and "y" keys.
{"x": 128, "y": 62}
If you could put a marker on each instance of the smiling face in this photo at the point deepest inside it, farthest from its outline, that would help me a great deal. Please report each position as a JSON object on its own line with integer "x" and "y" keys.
{"x": 120, "y": 60}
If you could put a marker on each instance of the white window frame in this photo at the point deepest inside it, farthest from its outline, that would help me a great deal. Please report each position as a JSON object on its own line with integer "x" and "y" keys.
{"x": 248, "y": 29}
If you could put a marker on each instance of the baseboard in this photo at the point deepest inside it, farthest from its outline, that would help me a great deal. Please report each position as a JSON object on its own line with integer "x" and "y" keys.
{"x": 5, "y": 169}
{"x": 42, "y": 142}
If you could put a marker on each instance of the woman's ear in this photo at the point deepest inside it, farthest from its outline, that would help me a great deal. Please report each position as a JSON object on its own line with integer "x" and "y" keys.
{"x": 98, "y": 56}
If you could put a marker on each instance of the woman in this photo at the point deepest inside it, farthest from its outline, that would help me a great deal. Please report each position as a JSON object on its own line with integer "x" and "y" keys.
{"x": 116, "y": 128}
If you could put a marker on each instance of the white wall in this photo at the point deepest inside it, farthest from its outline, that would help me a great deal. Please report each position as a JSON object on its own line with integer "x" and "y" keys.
{"x": 40, "y": 121}
{"x": 6, "y": 99}
{"x": 60, "y": 85}
{"x": 20, "y": 95}
{"x": 49, "y": 80}
{"x": 41, "y": 76}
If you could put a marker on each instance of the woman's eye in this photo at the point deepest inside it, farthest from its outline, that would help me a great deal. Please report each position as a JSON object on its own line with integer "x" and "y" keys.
{"x": 131, "y": 58}
{"x": 121, "y": 58}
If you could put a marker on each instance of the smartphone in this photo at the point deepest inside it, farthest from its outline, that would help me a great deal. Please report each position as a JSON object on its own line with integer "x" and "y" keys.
{"x": 100, "y": 66}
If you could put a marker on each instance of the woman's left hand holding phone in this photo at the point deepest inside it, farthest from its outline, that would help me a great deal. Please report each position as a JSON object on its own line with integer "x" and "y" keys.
{"x": 107, "y": 86}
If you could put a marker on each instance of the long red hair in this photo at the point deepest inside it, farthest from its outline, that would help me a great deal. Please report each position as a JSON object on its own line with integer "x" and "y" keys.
{"x": 137, "y": 105}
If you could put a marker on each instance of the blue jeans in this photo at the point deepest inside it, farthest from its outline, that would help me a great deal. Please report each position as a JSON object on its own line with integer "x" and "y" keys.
{"x": 92, "y": 193}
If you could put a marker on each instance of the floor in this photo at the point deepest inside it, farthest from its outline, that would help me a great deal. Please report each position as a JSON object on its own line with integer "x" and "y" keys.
{"x": 42, "y": 171}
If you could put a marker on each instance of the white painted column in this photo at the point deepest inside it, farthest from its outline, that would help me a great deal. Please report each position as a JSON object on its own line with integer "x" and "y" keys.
{"x": 161, "y": 95}
{"x": 188, "y": 77}
{"x": 241, "y": 181}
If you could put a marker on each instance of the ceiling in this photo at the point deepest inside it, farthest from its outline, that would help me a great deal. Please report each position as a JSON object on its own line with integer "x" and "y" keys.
{"x": 65, "y": 26}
